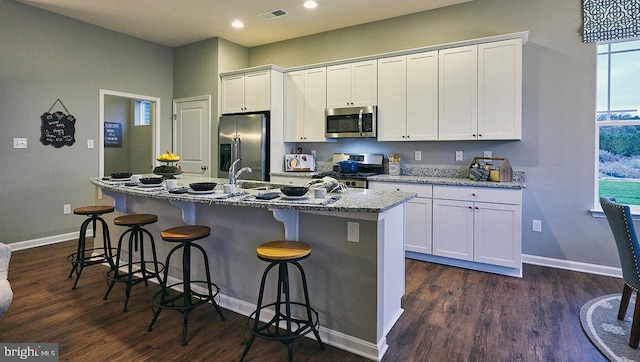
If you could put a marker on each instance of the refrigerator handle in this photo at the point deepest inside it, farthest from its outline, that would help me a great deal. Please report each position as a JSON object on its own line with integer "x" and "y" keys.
{"x": 238, "y": 149}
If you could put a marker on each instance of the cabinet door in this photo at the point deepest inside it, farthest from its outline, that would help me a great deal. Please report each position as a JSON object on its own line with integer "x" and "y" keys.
{"x": 257, "y": 91}
{"x": 294, "y": 99}
{"x": 422, "y": 96}
{"x": 232, "y": 94}
{"x": 315, "y": 102}
{"x": 417, "y": 227}
{"x": 458, "y": 93}
{"x": 392, "y": 99}
{"x": 453, "y": 229}
{"x": 500, "y": 90}
{"x": 364, "y": 83}
{"x": 497, "y": 234}
{"x": 339, "y": 86}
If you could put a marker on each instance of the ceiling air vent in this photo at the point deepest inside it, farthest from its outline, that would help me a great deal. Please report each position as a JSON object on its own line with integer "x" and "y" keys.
{"x": 269, "y": 15}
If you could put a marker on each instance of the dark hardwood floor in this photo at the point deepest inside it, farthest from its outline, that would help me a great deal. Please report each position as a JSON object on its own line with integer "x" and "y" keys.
{"x": 450, "y": 314}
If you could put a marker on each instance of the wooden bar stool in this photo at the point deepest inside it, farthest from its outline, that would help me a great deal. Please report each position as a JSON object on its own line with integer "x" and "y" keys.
{"x": 280, "y": 253}
{"x": 83, "y": 257}
{"x": 183, "y": 302}
{"x": 142, "y": 273}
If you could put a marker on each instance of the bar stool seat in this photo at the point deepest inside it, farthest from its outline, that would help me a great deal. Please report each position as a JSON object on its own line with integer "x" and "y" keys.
{"x": 137, "y": 271}
{"x": 84, "y": 257}
{"x": 183, "y": 302}
{"x": 280, "y": 253}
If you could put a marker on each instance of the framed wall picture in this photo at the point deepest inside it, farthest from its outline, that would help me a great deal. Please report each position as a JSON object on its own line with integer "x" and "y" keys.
{"x": 112, "y": 134}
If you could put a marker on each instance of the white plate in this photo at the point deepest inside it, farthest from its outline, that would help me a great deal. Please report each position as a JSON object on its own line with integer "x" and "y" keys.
{"x": 151, "y": 185}
{"x": 201, "y": 192}
{"x": 294, "y": 197}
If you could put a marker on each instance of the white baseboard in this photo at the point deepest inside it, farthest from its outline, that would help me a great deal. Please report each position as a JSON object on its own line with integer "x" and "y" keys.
{"x": 34, "y": 243}
{"x": 572, "y": 265}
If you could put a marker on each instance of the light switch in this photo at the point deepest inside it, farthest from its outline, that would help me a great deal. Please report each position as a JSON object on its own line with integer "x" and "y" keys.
{"x": 459, "y": 156}
{"x": 418, "y": 155}
{"x": 19, "y": 143}
{"x": 89, "y": 144}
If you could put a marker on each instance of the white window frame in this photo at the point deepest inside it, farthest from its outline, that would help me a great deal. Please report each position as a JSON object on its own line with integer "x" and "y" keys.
{"x": 597, "y": 210}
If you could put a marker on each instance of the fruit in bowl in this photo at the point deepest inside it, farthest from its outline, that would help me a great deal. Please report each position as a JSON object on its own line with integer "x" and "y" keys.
{"x": 202, "y": 186}
{"x": 168, "y": 157}
{"x": 151, "y": 180}
{"x": 294, "y": 190}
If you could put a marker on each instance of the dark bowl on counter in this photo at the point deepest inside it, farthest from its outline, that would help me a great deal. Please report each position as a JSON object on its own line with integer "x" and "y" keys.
{"x": 294, "y": 190}
{"x": 202, "y": 186}
{"x": 122, "y": 175}
{"x": 151, "y": 180}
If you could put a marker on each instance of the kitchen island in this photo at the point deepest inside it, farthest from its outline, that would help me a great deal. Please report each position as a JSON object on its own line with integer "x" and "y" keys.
{"x": 356, "y": 279}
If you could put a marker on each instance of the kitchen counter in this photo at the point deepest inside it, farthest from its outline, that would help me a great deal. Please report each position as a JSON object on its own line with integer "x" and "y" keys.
{"x": 364, "y": 267}
{"x": 450, "y": 181}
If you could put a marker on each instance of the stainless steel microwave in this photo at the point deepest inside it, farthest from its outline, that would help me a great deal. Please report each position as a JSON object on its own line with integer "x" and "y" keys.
{"x": 352, "y": 122}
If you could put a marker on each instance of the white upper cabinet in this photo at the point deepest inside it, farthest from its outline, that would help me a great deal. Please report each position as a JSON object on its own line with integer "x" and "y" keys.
{"x": 458, "y": 93}
{"x": 352, "y": 84}
{"x": 500, "y": 90}
{"x": 481, "y": 91}
{"x": 248, "y": 92}
{"x": 304, "y": 105}
{"x": 408, "y": 97}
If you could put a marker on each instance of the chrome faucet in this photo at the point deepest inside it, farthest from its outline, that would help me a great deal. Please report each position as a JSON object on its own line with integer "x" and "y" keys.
{"x": 233, "y": 175}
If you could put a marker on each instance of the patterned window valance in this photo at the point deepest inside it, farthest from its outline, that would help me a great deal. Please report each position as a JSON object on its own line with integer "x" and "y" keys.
{"x": 610, "y": 19}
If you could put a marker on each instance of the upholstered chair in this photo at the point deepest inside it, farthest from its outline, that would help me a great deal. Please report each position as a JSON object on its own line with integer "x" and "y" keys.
{"x": 6, "y": 294}
{"x": 624, "y": 233}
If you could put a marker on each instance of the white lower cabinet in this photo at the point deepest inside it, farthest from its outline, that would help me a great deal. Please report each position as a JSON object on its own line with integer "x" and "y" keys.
{"x": 418, "y": 214}
{"x": 463, "y": 225}
{"x": 476, "y": 224}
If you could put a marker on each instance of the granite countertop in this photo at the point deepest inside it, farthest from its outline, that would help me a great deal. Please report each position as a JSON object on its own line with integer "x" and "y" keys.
{"x": 430, "y": 175}
{"x": 352, "y": 200}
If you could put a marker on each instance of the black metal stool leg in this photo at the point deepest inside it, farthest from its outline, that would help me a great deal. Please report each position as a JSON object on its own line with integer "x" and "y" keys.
{"x": 307, "y": 303}
{"x": 209, "y": 283}
{"x": 116, "y": 269}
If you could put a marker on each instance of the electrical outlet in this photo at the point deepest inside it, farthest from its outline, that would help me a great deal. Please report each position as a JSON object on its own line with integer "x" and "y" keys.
{"x": 353, "y": 232}
{"x": 19, "y": 143}
{"x": 487, "y": 154}
{"x": 66, "y": 209}
{"x": 459, "y": 156}
{"x": 418, "y": 155}
{"x": 536, "y": 225}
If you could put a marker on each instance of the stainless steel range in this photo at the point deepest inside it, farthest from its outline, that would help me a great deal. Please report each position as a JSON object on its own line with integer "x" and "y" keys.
{"x": 369, "y": 164}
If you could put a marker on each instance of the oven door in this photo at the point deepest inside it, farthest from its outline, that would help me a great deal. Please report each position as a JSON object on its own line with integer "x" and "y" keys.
{"x": 354, "y": 122}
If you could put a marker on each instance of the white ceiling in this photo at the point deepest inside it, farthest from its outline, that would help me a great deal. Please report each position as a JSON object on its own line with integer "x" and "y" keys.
{"x": 179, "y": 22}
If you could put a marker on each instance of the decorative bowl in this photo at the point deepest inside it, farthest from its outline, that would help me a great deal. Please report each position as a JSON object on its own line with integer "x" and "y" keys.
{"x": 121, "y": 175}
{"x": 202, "y": 186}
{"x": 151, "y": 180}
{"x": 294, "y": 190}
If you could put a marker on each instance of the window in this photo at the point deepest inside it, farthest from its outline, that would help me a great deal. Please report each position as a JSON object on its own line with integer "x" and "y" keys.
{"x": 618, "y": 122}
{"x": 142, "y": 113}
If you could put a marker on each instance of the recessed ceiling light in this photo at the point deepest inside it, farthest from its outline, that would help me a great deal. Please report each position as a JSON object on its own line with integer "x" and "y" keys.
{"x": 310, "y": 4}
{"x": 237, "y": 24}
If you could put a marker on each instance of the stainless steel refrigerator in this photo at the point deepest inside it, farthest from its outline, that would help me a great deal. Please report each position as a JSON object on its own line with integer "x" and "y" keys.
{"x": 244, "y": 137}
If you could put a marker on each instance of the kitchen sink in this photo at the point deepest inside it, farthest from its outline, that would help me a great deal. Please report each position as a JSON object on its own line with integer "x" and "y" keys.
{"x": 257, "y": 185}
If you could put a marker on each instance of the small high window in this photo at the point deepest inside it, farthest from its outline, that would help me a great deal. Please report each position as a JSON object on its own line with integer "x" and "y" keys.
{"x": 142, "y": 113}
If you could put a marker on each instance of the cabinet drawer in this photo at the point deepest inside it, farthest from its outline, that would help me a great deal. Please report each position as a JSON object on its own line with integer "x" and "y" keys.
{"x": 482, "y": 194}
{"x": 423, "y": 190}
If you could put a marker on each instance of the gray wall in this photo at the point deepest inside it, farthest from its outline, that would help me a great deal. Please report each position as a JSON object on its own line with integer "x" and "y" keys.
{"x": 45, "y": 57}
{"x": 557, "y": 149}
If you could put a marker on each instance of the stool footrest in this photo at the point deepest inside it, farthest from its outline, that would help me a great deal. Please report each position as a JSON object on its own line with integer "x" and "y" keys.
{"x": 175, "y": 302}
{"x": 92, "y": 259}
{"x": 271, "y": 331}
{"x": 136, "y": 276}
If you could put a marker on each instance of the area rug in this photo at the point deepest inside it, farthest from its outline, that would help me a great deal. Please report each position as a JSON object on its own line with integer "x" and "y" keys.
{"x": 599, "y": 318}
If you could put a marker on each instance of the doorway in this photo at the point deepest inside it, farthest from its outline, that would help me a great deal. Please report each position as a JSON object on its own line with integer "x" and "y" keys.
{"x": 122, "y": 146}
